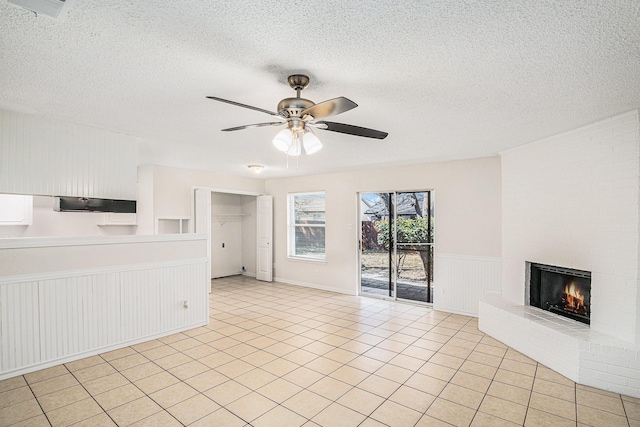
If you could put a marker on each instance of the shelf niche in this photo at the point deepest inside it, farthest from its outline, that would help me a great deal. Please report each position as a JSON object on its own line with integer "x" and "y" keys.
{"x": 172, "y": 225}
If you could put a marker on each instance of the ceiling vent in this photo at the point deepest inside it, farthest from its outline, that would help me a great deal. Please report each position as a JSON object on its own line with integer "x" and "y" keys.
{"x": 56, "y": 9}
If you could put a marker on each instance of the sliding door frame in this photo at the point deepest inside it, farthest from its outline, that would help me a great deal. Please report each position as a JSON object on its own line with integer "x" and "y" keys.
{"x": 393, "y": 245}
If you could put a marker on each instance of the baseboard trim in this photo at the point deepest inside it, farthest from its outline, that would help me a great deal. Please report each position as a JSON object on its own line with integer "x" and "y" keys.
{"x": 53, "y": 362}
{"x": 312, "y": 285}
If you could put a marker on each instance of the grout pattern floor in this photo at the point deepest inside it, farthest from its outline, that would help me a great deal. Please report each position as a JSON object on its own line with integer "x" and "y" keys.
{"x": 281, "y": 355}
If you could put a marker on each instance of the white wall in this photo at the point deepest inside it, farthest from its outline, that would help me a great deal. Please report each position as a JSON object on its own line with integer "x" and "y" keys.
{"x": 172, "y": 190}
{"x": 572, "y": 200}
{"x": 49, "y": 157}
{"x": 47, "y": 222}
{"x": 467, "y": 221}
{"x": 166, "y": 192}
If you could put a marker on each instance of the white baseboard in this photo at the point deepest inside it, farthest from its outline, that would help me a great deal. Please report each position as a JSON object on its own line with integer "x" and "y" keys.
{"x": 312, "y": 285}
{"x": 49, "y": 363}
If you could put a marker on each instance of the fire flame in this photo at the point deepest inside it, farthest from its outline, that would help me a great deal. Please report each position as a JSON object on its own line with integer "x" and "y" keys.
{"x": 574, "y": 298}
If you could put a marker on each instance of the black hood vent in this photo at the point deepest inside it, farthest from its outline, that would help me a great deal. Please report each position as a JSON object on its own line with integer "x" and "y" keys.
{"x": 87, "y": 204}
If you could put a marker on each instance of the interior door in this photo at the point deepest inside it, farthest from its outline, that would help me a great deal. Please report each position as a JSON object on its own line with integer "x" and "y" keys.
{"x": 264, "y": 255}
{"x": 202, "y": 220}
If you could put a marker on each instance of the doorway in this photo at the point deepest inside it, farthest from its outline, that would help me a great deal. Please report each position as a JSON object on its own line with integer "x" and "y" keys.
{"x": 233, "y": 235}
{"x": 239, "y": 230}
{"x": 396, "y": 245}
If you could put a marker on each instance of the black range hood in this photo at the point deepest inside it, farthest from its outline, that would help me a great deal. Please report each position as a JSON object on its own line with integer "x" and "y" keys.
{"x": 88, "y": 204}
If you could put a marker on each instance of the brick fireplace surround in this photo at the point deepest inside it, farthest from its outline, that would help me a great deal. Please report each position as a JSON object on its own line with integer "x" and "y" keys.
{"x": 572, "y": 200}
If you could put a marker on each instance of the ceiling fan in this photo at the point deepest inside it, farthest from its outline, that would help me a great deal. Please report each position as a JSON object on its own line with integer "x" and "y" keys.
{"x": 301, "y": 115}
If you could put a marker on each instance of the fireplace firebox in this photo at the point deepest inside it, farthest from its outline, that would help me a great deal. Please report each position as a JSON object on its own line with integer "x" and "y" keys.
{"x": 563, "y": 291}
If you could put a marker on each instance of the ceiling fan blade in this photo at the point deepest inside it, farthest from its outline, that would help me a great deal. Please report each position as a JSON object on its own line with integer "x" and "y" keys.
{"x": 331, "y": 107}
{"x": 352, "y": 130}
{"x": 255, "y": 125}
{"x": 262, "y": 110}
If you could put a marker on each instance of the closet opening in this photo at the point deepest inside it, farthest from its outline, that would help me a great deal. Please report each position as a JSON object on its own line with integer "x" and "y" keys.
{"x": 236, "y": 224}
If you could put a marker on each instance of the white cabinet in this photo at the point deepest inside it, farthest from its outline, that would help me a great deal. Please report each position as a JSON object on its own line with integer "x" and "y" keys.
{"x": 16, "y": 209}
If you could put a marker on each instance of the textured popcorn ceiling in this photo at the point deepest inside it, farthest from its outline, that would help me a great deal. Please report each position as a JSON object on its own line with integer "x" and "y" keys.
{"x": 446, "y": 79}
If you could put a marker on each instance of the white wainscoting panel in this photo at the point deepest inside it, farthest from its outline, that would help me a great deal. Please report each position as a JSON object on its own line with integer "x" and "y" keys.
{"x": 69, "y": 317}
{"x": 51, "y": 317}
{"x": 19, "y": 309}
{"x": 140, "y": 302}
{"x": 460, "y": 281}
{"x": 48, "y": 157}
{"x": 174, "y": 314}
{"x": 78, "y": 314}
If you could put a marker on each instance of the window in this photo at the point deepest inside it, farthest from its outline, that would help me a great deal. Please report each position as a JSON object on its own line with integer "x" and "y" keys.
{"x": 306, "y": 229}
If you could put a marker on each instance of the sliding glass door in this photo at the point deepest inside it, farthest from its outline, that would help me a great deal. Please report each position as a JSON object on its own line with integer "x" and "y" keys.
{"x": 396, "y": 245}
{"x": 376, "y": 244}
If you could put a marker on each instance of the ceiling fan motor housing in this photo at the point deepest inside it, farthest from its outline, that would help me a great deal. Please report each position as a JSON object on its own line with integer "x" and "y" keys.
{"x": 292, "y": 107}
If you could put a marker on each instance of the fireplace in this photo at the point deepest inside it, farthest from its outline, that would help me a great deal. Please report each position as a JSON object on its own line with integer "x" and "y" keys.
{"x": 559, "y": 290}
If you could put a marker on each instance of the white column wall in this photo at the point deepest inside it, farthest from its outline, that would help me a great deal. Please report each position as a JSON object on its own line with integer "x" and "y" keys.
{"x": 572, "y": 200}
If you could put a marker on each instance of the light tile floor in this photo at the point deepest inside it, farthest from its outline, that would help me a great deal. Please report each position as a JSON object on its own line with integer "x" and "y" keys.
{"x": 280, "y": 355}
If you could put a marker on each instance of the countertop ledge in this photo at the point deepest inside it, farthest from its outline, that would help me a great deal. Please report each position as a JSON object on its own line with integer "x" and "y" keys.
{"x": 34, "y": 242}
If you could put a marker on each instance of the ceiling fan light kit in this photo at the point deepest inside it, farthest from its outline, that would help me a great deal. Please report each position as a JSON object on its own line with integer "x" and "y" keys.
{"x": 300, "y": 115}
{"x": 288, "y": 142}
{"x": 282, "y": 140}
{"x": 292, "y": 142}
{"x": 311, "y": 142}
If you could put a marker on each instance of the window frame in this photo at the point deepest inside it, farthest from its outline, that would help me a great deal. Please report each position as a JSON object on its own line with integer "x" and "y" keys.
{"x": 291, "y": 227}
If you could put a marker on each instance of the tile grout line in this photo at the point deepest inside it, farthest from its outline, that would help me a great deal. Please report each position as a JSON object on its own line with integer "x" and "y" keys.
{"x": 449, "y": 382}
{"x": 343, "y": 364}
{"x": 90, "y": 395}
{"x": 138, "y": 388}
{"x": 389, "y": 337}
{"x": 182, "y": 381}
{"x": 526, "y": 415}
{"x": 37, "y": 401}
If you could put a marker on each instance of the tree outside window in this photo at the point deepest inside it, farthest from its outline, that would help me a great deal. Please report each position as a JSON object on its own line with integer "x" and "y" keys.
{"x": 306, "y": 231}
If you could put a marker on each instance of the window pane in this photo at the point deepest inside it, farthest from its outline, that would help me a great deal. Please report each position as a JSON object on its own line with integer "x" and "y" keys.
{"x": 306, "y": 234}
{"x": 309, "y": 208}
{"x": 309, "y": 241}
